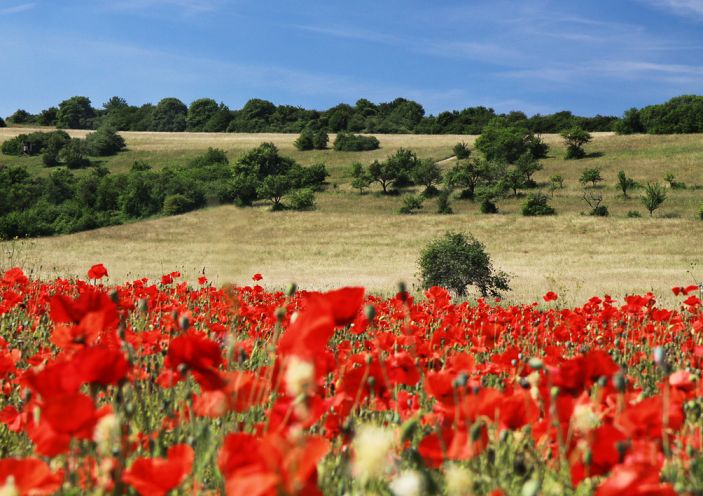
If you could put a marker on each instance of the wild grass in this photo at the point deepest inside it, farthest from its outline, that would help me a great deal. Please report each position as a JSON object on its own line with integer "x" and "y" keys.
{"x": 360, "y": 239}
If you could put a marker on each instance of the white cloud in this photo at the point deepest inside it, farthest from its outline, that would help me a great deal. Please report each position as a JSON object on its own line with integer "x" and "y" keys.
{"x": 23, "y": 7}
{"x": 680, "y": 7}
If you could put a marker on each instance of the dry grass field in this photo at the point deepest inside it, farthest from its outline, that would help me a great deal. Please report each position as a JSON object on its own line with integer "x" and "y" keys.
{"x": 360, "y": 239}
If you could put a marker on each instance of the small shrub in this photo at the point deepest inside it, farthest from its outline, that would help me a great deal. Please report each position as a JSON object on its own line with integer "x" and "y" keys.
{"x": 305, "y": 140}
{"x": 411, "y": 203}
{"x": 625, "y": 183}
{"x": 536, "y": 205}
{"x": 700, "y": 211}
{"x": 443, "y": 205}
{"x": 462, "y": 151}
{"x": 320, "y": 140}
{"x": 302, "y": 199}
{"x": 73, "y": 155}
{"x": 673, "y": 183}
{"x": 348, "y": 142}
{"x": 633, "y": 214}
{"x": 177, "y": 204}
{"x": 104, "y": 142}
{"x": 457, "y": 261}
{"x": 600, "y": 211}
{"x": 574, "y": 139}
{"x": 591, "y": 176}
{"x": 654, "y": 195}
{"x": 488, "y": 206}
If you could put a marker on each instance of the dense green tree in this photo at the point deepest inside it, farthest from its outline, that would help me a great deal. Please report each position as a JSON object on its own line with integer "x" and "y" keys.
{"x": 527, "y": 165}
{"x": 306, "y": 140}
{"x": 104, "y": 142}
{"x": 263, "y": 161}
{"x": 630, "y": 123}
{"x": 462, "y": 151}
{"x": 48, "y": 116}
{"x": 72, "y": 154}
{"x": 427, "y": 173}
{"x": 199, "y": 113}
{"x": 468, "y": 174}
{"x": 574, "y": 139}
{"x": 537, "y": 204}
{"x": 502, "y": 143}
{"x": 219, "y": 121}
{"x": 21, "y": 116}
{"x": 457, "y": 261}
{"x": 169, "y": 115}
{"x": 274, "y": 188}
{"x": 75, "y": 113}
{"x": 347, "y": 142}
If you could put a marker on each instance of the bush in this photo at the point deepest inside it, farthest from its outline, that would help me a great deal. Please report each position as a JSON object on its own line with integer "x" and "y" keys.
{"x": 537, "y": 204}
{"x": 347, "y": 142}
{"x": 591, "y": 176}
{"x": 313, "y": 176}
{"x": 241, "y": 190}
{"x": 443, "y": 205}
{"x": 274, "y": 188}
{"x": 654, "y": 196}
{"x": 2, "y": 122}
{"x": 73, "y": 156}
{"x": 456, "y": 261}
{"x": 600, "y": 211}
{"x": 302, "y": 199}
{"x": 700, "y": 211}
{"x": 212, "y": 156}
{"x": 633, "y": 214}
{"x": 104, "y": 142}
{"x": 625, "y": 183}
{"x": 673, "y": 183}
{"x": 177, "y": 204}
{"x": 574, "y": 139}
{"x": 488, "y": 206}
{"x": 411, "y": 203}
{"x": 462, "y": 151}
{"x": 305, "y": 140}
{"x": 320, "y": 140}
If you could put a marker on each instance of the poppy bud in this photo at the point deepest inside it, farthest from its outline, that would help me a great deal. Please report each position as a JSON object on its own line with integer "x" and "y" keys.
{"x": 184, "y": 323}
{"x": 554, "y": 392}
{"x": 620, "y": 382}
{"x": 371, "y": 381}
{"x": 370, "y": 312}
{"x": 114, "y": 296}
{"x": 460, "y": 380}
{"x": 408, "y": 429}
{"x": 587, "y": 457}
{"x": 143, "y": 305}
{"x": 402, "y": 290}
{"x": 476, "y": 431}
{"x": 291, "y": 290}
{"x": 280, "y": 313}
{"x": 535, "y": 363}
{"x": 622, "y": 447}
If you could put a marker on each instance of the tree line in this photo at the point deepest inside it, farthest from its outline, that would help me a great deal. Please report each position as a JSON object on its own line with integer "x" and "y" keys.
{"x": 64, "y": 203}
{"x": 257, "y": 115}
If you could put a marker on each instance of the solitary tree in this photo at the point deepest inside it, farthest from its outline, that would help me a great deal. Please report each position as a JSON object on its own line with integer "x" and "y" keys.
{"x": 457, "y": 261}
{"x": 625, "y": 183}
{"x": 427, "y": 173}
{"x": 654, "y": 196}
{"x": 574, "y": 139}
{"x": 462, "y": 151}
{"x": 591, "y": 176}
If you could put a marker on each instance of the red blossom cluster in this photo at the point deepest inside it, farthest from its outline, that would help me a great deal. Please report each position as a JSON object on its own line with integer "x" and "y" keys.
{"x": 157, "y": 386}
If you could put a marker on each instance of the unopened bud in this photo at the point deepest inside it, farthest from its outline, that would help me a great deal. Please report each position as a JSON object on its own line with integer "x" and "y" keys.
{"x": 291, "y": 290}
{"x": 370, "y": 312}
{"x": 535, "y": 363}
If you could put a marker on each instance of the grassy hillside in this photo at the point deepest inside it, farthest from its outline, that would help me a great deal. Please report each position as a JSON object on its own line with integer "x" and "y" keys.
{"x": 360, "y": 239}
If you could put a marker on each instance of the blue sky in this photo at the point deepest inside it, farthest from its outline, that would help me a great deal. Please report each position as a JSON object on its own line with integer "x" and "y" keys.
{"x": 595, "y": 56}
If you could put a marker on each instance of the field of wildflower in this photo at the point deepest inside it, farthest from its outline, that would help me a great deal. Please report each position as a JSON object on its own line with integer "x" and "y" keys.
{"x": 162, "y": 387}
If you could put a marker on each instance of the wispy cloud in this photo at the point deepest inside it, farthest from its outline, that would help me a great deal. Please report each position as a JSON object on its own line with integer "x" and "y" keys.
{"x": 16, "y": 9}
{"x": 680, "y": 7}
{"x": 184, "y": 6}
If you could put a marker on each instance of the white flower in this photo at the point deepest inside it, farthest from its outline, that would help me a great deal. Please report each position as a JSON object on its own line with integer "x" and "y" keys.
{"x": 300, "y": 375}
{"x": 584, "y": 419}
{"x": 458, "y": 480}
{"x": 106, "y": 433}
{"x": 408, "y": 483}
{"x": 372, "y": 446}
{"x": 9, "y": 488}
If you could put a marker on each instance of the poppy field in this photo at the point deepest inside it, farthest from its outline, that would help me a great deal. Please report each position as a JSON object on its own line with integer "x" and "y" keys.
{"x": 160, "y": 387}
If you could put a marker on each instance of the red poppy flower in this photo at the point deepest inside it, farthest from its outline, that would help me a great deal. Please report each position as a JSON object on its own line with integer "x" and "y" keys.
{"x": 158, "y": 476}
{"x": 97, "y": 271}
{"x": 202, "y": 357}
{"x": 550, "y": 296}
{"x": 31, "y": 477}
{"x": 257, "y": 277}
{"x": 15, "y": 276}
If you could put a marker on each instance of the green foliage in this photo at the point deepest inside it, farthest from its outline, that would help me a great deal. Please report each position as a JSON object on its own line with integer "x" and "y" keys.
{"x": 361, "y": 179}
{"x": 320, "y": 140}
{"x": 594, "y": 202}
{"x": 574, "y": 139}
{"x": 488, "y": 206}
{"x": 673, "y": 183}
{"x": 653, "y": 197}
{"x": 462, "y": 151}
{"x": 427, "y": 173}
{"x": 625, "y": 183}
{"x": 527, "y": 165}
{"x": 2, "y": 122}
{"x": 73, "y": 155}
{"x": 75, "y": 113}
{"x": 21, "y": 116}
{"x": 169, "y": 115}
{"x": 682, "y": 114}
{"x": 301, "y": 199}
{"x": 305, "y": 140}
{"x": 241, "y": 190}
{"x": 556, "y": 182}
{"x": 537, "y": 204}
{"x": 313, "y": 176}
{"x": 443, "y": 205}
{"x": 47, "y": 117}
{"x": 700, "y": 211}
{"x": 177, "y": 204}
{"x": 384, "y": 173}
{"x": 104, "y": 142}
{"x": 504, "y": 143}
{"x": 456, "y": 261}
{"x": 630, "y": 123}
{"x": 199, "y": 114}
{"x": 592, "y": 176}
{"x": 514, "y": 180}
{"x": 347, "y": 142}
{"x": 273, "y": 189}
{"x": 633, "y": 214}
{"x": 411, "y": 203}
{"x": 263, "y": 161}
